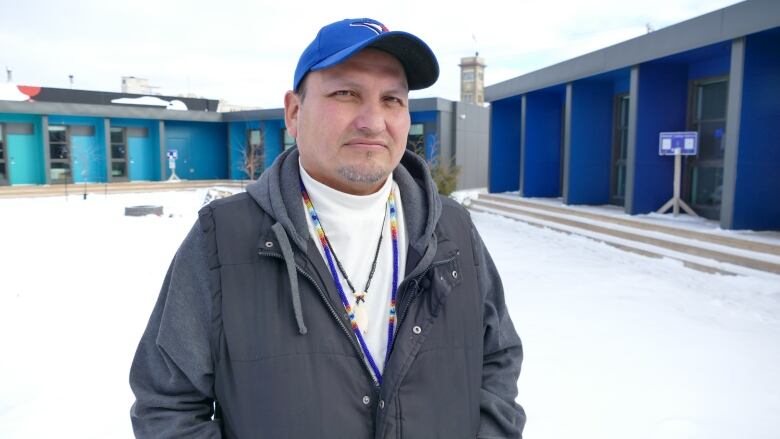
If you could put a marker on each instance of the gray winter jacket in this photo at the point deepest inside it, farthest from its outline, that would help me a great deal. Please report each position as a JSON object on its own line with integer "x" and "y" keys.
{"x": 249, "y": 339}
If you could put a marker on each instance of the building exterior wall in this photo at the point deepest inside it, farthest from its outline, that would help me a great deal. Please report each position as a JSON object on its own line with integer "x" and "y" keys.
{"x": 716, "y": 74}
{"x": 24, "y": 148}
{"x": 757, "y": 190}
{"x": 208, "y": 145}
{"x": 504, "y": 164}
{"x": 201, "y": 149}
{"x": 471, "y": 144}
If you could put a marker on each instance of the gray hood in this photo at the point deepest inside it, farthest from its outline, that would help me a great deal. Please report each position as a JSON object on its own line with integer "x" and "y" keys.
{"x": 277, "y": 191}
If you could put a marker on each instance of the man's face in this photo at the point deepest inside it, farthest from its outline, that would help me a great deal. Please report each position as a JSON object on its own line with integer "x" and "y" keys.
{"x": 352, "y": 122}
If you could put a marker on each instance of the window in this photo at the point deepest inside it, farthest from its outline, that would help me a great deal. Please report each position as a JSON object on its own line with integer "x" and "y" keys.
{"x": 416, "y": 140}
{"x": 118, "y": 153}
{"x": 704, "y": 171}
{"x": 59, "y": 154}
{"x": 254, "y": 155}
{"x": 619, "y": 150}
{"x": 3, "y": 168}
{"x": 289, "y": 141}
{"x": 468, "y": 75}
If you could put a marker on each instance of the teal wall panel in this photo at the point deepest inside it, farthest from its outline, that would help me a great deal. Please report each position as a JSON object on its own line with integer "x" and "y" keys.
{"x": 143, "y": 153}
{"x": 201, "y": 147}
{"x": 25, "y": 151}
{"x": 87, "y": 152}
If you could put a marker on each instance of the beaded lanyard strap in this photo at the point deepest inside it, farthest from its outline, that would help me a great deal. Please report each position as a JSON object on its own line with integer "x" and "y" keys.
{"x": 329, "y": 256}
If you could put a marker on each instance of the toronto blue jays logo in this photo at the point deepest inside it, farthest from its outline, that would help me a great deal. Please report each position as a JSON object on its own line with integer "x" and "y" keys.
{"x": 373, "y": 25}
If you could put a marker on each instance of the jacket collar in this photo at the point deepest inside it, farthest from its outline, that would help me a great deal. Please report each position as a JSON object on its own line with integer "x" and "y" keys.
{"x": 277, "y": 191}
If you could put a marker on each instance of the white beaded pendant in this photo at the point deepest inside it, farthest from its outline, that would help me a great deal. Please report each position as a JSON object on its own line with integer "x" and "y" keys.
{"x": 361, "y": 314}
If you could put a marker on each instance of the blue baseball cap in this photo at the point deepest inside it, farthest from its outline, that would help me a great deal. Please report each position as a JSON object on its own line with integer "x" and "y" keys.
{"x": 338, "y": 41}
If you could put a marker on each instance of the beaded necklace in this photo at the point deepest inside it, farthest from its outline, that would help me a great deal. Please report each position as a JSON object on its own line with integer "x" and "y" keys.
{"x": 327, "y": 249}
{"x": 360, "y": 296}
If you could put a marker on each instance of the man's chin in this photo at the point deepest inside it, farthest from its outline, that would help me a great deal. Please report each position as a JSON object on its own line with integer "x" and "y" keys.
{"x": 363, "y": 175}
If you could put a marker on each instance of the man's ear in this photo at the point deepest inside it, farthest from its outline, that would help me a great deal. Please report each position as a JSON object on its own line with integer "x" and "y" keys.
{"x": 292, "y": 105}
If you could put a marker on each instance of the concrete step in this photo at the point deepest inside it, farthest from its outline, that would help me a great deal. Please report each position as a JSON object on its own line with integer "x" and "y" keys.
{"x": 58, "y": 190}
{"x": 751, "y": 245}
{"x": 699, "y": 250}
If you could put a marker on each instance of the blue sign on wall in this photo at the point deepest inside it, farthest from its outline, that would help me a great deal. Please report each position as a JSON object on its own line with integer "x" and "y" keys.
{"x": 687, "y": 142}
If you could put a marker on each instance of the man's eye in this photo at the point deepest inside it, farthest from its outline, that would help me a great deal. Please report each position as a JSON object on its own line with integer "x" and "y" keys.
{"x": 394, "y": 100}
{"x": 342, "y": 93}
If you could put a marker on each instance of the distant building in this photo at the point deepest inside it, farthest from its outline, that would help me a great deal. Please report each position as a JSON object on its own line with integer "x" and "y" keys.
{"x": 50, "y": 136}
{"x": 472, "y": 80}
{"x": 131, "y": 84}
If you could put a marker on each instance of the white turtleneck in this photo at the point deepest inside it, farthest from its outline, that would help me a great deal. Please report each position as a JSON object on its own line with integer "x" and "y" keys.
{"x": 352, "y": 224}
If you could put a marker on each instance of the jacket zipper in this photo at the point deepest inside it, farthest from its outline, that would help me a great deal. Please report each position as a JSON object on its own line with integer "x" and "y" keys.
{"x": 366, "y": 366}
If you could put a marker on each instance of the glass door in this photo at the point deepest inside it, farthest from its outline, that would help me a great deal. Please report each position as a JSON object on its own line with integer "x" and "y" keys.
{"x": 118, "y": 154}
{"x": 619, "y": 151}
{"x": 703, "y": 182}
{"x": 59, "y": 154}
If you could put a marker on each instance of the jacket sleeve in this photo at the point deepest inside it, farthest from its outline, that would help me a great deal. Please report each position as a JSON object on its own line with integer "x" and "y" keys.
{"x": 500, "y": 415}
{"x": 172, "y": 375}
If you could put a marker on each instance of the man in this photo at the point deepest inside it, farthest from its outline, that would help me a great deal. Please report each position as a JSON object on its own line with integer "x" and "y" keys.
{"x": 340, "y": 297}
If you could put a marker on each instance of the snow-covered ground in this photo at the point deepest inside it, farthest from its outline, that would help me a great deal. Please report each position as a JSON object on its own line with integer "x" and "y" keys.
{"x": 616, "y": 345}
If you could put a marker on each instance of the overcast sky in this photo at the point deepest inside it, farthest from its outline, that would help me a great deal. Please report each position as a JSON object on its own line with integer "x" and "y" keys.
{"x": 245, "y": 51}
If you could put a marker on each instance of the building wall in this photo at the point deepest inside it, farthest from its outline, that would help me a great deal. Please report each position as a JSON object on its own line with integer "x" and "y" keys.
{"x": 757, "y": 190}
{"x": 661, "y": 106}
{"x": 590, "y": 142}
{"x": 201, "y": 149}
{"x": 506, "y": 120}
{"x": 143, "y": 152}
{"x": 541, "y": 175}
{"x": 87, "y": 147}
{"x": 211, "y": 146}
{"x": 24, "y": 152}
{"x": 471, "y": 141}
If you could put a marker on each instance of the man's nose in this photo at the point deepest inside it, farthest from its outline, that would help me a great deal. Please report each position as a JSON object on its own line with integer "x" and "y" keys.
{"x": 370, "y": 118}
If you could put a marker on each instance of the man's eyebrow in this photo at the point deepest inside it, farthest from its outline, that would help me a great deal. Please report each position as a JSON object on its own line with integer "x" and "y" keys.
{"x": 338, "y": 82}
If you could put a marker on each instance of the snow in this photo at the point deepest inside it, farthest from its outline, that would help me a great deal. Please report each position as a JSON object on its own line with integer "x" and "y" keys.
{"x": 152, "y": 100}
{"x": 11, "y": 92}
{"x": 616, "y": 345}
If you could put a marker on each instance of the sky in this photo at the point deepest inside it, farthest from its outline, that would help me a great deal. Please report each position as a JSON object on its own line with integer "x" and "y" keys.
{"x": 245, "y": 52}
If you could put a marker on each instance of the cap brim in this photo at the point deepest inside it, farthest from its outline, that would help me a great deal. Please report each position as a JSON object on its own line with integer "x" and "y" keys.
{"x": 417, "y": 59}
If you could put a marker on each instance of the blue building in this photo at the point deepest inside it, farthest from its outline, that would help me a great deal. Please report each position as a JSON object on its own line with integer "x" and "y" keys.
{"x": 50, "y": 136}
{"x": 587, "y": 130}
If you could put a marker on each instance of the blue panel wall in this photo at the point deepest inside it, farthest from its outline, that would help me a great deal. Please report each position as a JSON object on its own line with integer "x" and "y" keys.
{"x": 661, "y": 106}
{"x": 622, "y": 85}
{"x": 424, "y": 116}
{"x": 274, "y": 143}
{"x": 757, "y": 193}
{"x": 25, "y": 151}
{"x": 590, "y": 147}
{"x": 88, "y": 152}
{"x": 201, "y": 146}
{"x": 710, "y": 67}
{"x": 543, "y": 129}
{"x": 143, "y": 153}
{"x": 505, "y": 127}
